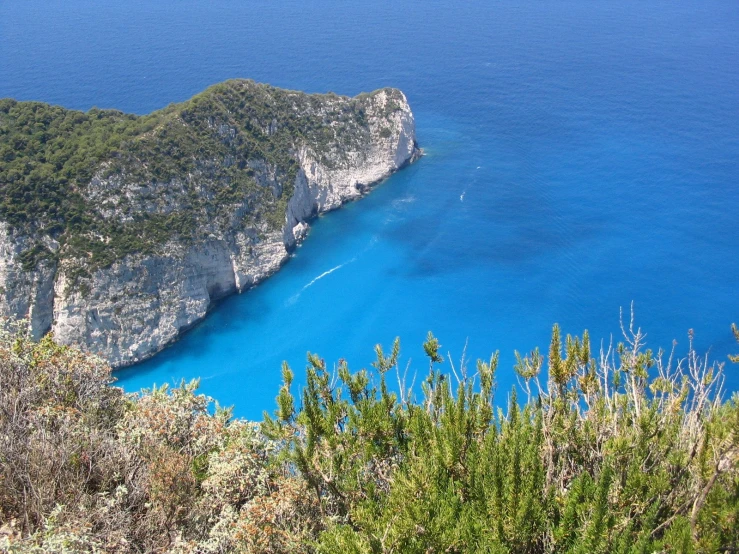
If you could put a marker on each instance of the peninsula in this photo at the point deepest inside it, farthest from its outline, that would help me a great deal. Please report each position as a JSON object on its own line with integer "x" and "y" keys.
{"x": 117, "y": 231}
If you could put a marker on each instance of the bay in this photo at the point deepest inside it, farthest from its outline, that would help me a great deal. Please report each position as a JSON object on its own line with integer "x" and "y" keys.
{"x": 580, "y": 156}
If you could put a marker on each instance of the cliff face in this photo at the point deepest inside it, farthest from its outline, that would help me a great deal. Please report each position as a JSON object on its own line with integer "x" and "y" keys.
{"x": 127, "y": 310}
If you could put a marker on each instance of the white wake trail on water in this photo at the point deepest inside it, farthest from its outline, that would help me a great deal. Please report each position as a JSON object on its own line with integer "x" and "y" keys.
{"x": 329, "y": 272}
{"x": 294, "y": 298}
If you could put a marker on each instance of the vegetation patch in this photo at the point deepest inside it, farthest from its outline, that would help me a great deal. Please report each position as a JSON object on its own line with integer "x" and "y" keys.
{"x": 625, "y": 451}
{"x": 105, "y": 184}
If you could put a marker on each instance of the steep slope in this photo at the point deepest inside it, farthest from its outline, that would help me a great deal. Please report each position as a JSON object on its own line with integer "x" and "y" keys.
{"x": 117, "y": 232}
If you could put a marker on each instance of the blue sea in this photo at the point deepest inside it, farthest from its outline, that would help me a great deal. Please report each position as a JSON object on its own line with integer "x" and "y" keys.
{"x": 581, "y": 156}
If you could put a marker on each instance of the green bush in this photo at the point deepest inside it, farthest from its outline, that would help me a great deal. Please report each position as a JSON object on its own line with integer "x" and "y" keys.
{"x": 625, "y": 452}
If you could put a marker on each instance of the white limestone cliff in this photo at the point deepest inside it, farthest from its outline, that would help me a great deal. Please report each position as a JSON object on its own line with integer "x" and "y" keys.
{"x": 24, "y": 294}
{"x": 127, "y": 312}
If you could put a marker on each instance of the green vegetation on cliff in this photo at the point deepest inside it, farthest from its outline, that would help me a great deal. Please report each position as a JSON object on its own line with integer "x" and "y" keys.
{"x": 105, "y": 184}
{"x": 628, "y": 452}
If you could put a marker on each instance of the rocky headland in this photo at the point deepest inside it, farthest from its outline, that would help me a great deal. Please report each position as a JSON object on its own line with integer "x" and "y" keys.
{"x": 117, "y": 232}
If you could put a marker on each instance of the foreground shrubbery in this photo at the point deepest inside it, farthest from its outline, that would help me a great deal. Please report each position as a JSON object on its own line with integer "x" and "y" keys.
{"x": 624, "y": 453}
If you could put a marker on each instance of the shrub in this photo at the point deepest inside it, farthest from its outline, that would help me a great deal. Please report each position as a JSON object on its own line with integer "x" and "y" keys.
{"x": 628, "y": 451}
{"x": 623, "y": 453}
{"x": 86, "y": 468}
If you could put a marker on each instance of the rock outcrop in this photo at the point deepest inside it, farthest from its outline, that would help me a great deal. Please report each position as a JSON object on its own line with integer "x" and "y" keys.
{"x": 128, "y": 310}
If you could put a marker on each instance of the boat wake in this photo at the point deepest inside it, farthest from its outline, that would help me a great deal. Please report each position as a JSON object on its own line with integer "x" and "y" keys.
{"x": 294, "y": 298}
{"x": 325, "y": 273}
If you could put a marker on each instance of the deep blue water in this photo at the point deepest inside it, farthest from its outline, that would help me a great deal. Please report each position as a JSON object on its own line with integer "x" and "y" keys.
{"x": 580, "y": 155}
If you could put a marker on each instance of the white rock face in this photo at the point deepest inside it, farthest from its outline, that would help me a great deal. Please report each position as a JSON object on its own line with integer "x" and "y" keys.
{"x": 24, "y": 294}
{"x": 129, "y": 311}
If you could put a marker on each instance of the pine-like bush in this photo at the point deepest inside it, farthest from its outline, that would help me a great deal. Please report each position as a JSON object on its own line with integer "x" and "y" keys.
{"x": 626, "y": 451}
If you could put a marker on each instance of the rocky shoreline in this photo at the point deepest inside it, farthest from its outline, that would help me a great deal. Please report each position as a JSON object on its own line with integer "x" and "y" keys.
{"x": 135, "y": 307}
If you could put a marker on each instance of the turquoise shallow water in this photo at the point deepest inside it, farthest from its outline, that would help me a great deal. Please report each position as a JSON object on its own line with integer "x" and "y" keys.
{"x": 580, "y": 156}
